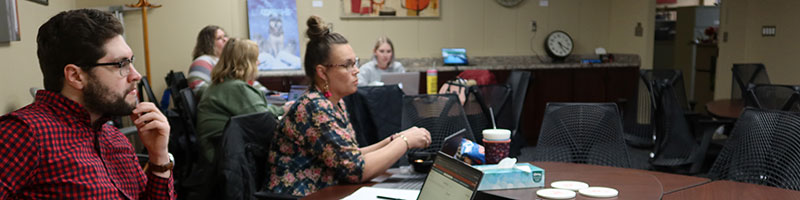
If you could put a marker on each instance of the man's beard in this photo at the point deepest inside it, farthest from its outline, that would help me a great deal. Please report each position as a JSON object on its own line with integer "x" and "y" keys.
{"x": 100, "y": 99}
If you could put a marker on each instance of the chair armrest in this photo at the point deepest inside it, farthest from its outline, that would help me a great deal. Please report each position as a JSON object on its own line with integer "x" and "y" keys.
{"x": 705, "y": 128}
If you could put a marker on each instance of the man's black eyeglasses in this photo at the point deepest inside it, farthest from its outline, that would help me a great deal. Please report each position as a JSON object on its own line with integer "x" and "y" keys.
{"x": 124, "y": 66}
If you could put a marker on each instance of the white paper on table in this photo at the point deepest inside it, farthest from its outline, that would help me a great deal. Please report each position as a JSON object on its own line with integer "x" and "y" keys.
{"x": 372, "y": 193}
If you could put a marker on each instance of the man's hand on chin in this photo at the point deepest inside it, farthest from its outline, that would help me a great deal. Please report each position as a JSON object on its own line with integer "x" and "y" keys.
{"x": 153, "y": 129}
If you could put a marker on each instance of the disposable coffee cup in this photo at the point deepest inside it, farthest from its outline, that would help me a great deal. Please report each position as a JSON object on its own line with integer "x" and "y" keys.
{"x": 496, "y": 134}
{"x": 496, "y": 143}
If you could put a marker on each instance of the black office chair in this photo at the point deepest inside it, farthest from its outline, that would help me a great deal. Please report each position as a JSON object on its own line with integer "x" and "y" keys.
{"x": 773, "y": 97}
{"x": 681, "y": 140}
{"x": 375, "y": 112}
{"x": 744, "y": 74}
{"x": 441, "y": 114}
{"x": 637, "y": 117}
{"x": 764, "y": 148}
{"x": 183, "y": 141}
{"x": 242, "y": 157}
{"x": 587, "y": 133}
{"x": 518, "y": 80}
{"x": 476, "y": 107}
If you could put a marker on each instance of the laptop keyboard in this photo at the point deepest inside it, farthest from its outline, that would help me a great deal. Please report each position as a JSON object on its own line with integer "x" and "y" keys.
{"x": 403, "y": 178}
{"x": 414, "y": 184}
{"x": 410, "y": 185}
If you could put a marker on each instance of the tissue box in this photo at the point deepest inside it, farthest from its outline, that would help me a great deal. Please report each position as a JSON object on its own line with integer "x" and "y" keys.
{"x": 510, "y": 178}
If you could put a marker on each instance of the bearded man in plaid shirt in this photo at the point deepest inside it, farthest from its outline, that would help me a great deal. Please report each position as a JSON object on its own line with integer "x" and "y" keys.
{"x": 60, "y": 146}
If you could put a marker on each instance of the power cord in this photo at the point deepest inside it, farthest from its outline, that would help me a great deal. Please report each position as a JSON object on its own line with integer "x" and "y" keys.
{"x": 535, "y": 54}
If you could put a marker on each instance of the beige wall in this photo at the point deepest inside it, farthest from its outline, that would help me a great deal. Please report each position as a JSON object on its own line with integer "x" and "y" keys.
{"x": 20, "y": 66}
{"x": 625, "y": 14}
{"x": 745, "y": 43}
{"x": 487, "y": 29}
{"x": 482, "y": 26}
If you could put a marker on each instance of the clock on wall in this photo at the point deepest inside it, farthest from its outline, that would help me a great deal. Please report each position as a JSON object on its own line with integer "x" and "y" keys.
{"x": 509, "y": 3}
{"x": 558, "y": 45}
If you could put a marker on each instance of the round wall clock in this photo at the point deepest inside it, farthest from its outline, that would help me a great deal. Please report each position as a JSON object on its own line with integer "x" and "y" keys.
{"x": 558, "y": 45}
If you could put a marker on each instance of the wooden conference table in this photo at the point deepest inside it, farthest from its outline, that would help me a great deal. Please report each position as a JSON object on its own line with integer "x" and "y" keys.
{"x": 733, "y": 190}
{"x": 631, "y": 183}
{"x": 725, "y": 108}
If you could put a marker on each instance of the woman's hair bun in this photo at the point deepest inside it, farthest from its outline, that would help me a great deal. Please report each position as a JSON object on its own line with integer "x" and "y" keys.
{"x": 316, "y": 28}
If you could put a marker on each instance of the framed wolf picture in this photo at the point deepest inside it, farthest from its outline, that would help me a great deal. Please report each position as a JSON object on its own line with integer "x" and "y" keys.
{"x": 273, "y": 25}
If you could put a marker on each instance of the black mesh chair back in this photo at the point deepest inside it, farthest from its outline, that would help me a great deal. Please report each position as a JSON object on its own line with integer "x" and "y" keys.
{"x": 764, "y": 148}
{"x": 744, "y": 74}
{"x": 674, "y": 140}
{"x": 176, "y": 80}
{"x": 638, "y": 114}
{"x": 144, "y": 89}
{"x": 518, "y": 80}
{"x": 188, "y": 104}
{"x": 476, "y": 107}
{"x": 441, "y": 114}
{"x": 672, "y": 77}
{"x": 676, "y": 149}
{"x": 772, "y": 97}
{"x": 589, "y": 133}
{"x": 497, "y": 97}
{"x": 375, "y": 112}
{"x": 795, "y": 105}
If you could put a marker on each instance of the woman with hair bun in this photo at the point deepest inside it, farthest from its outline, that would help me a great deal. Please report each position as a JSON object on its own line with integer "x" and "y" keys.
{"x": 315, "y": 145}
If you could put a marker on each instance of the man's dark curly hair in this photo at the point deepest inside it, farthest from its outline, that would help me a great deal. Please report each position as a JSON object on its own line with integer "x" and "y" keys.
{"x": 73, "y": 37}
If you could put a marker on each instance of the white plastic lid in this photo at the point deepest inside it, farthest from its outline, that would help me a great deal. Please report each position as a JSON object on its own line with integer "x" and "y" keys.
{"x": 496, "y": 134}
{"x": 551, "y": 193}
{"x": 599, "y": 192}
{"x": 569, "y": 185}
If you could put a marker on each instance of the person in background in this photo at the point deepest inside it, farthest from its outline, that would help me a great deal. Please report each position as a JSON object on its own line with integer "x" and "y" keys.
{"x": 230, "y": 94}
{"x": 207, "y": 50}
{"x": 314, "y": 145}
{"x": 382, "y": 62}
{"x": 61, "y": 146}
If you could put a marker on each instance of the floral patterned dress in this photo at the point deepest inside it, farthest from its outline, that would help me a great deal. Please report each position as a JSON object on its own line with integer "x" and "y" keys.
{"x": 313, "y": 147}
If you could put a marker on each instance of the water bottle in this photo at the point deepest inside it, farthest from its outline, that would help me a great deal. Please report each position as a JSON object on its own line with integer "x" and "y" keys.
{"x": 432, "y": 80}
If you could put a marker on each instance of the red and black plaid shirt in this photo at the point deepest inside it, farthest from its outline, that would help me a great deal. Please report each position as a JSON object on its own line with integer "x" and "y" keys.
{"x": 50, "y": 150}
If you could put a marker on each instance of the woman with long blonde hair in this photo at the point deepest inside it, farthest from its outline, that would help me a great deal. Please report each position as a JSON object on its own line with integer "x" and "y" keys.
{"x": 230, "y": 94}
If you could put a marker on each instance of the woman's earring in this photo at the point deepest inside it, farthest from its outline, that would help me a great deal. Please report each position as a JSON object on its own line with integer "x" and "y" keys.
{"x": 327, "y": 93}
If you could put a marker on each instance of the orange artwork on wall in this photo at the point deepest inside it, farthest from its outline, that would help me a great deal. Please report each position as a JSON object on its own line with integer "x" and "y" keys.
{"x": 390, "y": 8}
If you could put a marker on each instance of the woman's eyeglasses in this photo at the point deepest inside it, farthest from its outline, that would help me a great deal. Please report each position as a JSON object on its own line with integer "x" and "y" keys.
{"x": 124, "y": 66}
{"x": 350, "y": 65}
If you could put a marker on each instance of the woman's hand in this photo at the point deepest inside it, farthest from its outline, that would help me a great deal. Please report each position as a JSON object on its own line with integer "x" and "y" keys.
{"x": 417, "y": 137}
{"x": 287, "y": 106}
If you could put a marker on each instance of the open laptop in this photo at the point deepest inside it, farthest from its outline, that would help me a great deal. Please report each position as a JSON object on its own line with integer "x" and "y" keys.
{"x": 452, "y": 142}
{"x": 450, "y": 179}
{"x": 408, "y": 81}
{"x": 414, "y": 181}
{"x": 454, "y": 56}
{"x": 296, "y": 91}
